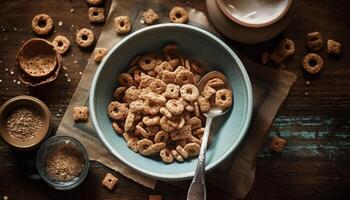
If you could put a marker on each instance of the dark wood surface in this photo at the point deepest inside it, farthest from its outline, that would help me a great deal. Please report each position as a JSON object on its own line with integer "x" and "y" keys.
{"x": 314, "y": 165}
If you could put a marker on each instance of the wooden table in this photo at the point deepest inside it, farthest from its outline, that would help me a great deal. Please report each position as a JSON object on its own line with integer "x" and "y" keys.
{"x": 315, "y": 118}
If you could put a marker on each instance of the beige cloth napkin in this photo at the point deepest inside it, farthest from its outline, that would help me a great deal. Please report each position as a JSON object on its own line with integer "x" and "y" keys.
{"x": 236, "y": 174}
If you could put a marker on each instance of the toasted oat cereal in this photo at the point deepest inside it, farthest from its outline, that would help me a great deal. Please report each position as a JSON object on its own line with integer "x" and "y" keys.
{"x": 42, "y": 24}
{"x": 122, "y": 25}
{"x": 96, "y": 15}
{"x": 99, "y": 54}
{"x": 178, "y": 15}
{"x": 286, "y": 47}
{"x": 61, "y": 44}
{"x": 333, "y": 47}
{"x": 158, "y": 109}
{"x": 312, "y": 63}
{"x": 277, "y": 144}
{"x": 277, "y": 57}
{"x": 150, "y": 16}
{"x": 223, "y": 98}
{"x": 154, "y": 197}
{"x": 109, "y": 181}
{"x": 85, "y": 37}
{"x": 314, "y": 41}
{"x": 80, "y": 114}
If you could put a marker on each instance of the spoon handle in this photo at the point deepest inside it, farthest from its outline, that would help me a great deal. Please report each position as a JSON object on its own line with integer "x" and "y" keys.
{"x": 197, "y": 189}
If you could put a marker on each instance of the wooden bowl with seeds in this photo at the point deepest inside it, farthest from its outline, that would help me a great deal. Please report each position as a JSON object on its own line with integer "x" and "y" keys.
{"x": 25, "y": 121}
{"x": 37, "y": 62}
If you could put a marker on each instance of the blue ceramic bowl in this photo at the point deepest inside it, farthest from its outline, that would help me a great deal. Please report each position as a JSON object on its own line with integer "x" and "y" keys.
{"x": 193, "y": 42}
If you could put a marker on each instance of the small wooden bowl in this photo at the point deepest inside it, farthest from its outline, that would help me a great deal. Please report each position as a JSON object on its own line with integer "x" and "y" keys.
{"x": 25, "y": 101}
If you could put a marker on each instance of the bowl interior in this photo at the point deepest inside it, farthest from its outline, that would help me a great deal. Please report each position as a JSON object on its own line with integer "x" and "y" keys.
{"x": 25, "y": 102}
{"x": 193, "y": 42}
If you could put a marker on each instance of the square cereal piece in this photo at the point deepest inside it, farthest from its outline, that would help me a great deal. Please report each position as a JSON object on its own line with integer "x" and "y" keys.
{"x": 150, "y": 16}
{"x": 277, "y": 144}
{"x": 333, "y": 47}
{"x": 154, "y": 197}
{"x": 81, "y": 114}
{"x": 110, "y": 181}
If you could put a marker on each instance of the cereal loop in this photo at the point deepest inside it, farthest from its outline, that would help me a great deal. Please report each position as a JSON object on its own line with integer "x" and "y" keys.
{"x": 189, "y": 92}
{"x": 129, "y": 121}
{"x": 132, "y": 94}
{"x": 166, "y": 156}
{"x": 117, "y": 128}
{"x": 61, "y": 44}
{"x": 182, "y": 152}
{"x": 125, "y": 79}
{"x": 122, "y": 25}
{"x": 178, "y": 15}
{"x": 192, "y": 149}
{"x": 286, "y": 47}
{"x": 117, "y": 111}
{"x": 161, "y": 136}
{"x": 84, "y": 37}
{"x": 312, "y": 63}
{"x": 151, "y": 121}
{"x": 147, "y": 62}
{"x": 42, "y": 24}
{"x": 158, "y": 86}
{"x": 223, "y": 98}
{"x": 144, "y": 147}
{"x": 184, "y": 77}
{"x": 164, "y": 124}
{"x": 177, "y": 156}
{"x": 174, "y": 106}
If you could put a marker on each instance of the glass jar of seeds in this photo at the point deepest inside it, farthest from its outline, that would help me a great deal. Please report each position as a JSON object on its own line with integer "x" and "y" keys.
{"x": 62, "y": 162}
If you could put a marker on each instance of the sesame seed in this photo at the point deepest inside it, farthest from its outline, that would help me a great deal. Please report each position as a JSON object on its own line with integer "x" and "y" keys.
{"x": 68, "y": 80}
{"x": 0, "y": 80}
{"x": 12, "y": 72}
{"x": 6, "y": 69}
{"x": 18, "y": 82}
{"x": 80, "y": 73}
{"x": 66, "y": 75}
{"x": 72, "y": 10}
{"x": 60, "y": 23}
{"x": 306, "y": 93}
{"x": 14, "y": 80}
{"x": 307, "y": 82}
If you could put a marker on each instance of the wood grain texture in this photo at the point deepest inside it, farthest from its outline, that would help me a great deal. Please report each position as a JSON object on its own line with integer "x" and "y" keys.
{"x": 314, "y": 165}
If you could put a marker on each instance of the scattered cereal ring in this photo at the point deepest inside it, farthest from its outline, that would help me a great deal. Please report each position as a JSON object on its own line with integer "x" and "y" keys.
{"x": 132, "y": 94}
{"x": 177, "y": 156}
{"x": 99, "y": 54}
{"x": 154, "y": 97}
{"x": 150, "y": 16}
{"x": 189, "y": 92}
{"x": 161, "y": 136}
{"x": 312, "y": 63}
{"x": 151, "y": 121}
{"x": 182, "y": 152}
{"x": 150, "y": 107}
{"x": 208, "y": 91}
{"x": 203, "y": 103}
{"x": 172, "y": 91}
{"x": 164, "y": 124}
{"x": 117, "y": 111}
{"x": 147, "y": 62}
{"x": 286, "y": 47}
{"x": 158, "y": 86}
{"x": 178, "y": 15}
{"x": 96, "y": 15}
{"x": 80, "y": 114}
{"x": 314, "y": 41}
{"x": 94, "y": 2}
{"x": 122, "y": 24}
{"x": 192, "y": 149}
{"x": 42, "y": 24}
{"x": 184, "y": 77}
{"x": 85, "y": 37}
{"x": 223, "y": 98}
{"x": 117, "y": 128}
{"x": 61, "y": 44}
{"x": 165, "y": 112}
{"x": 215, "y": 83}
{"x": 125, "y": 79}
{"x": 144, "y": 147}
{"x": 277, "y": 144}
{"x": 132, "y": 144}
{"x": 166, "y": 156}
{"x": 136, "y": 106}
{"x": 174, "y": 106}
{"x": 129, "y": 121}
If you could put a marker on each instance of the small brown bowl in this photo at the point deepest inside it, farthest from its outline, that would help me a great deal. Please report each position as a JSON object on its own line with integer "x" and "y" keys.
{"x": 25, "y": 101}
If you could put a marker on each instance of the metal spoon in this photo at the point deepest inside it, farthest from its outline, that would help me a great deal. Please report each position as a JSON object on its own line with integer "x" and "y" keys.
{"x": 197, "y": 189}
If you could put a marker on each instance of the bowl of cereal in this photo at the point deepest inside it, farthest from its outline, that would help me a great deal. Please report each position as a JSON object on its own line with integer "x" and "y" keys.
{"x": 148, "y": 111}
